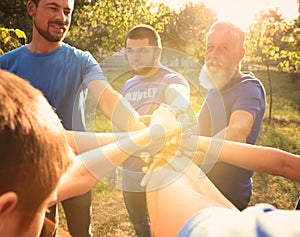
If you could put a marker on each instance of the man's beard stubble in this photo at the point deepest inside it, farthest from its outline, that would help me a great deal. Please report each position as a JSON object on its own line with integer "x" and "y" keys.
{"x": 214, "y": 78}
{"x": 145, "y": 70}
{"x": 46, "y": 33}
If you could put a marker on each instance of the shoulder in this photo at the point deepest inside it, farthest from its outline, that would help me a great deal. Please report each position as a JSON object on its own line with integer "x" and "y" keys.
{"x": 131, "y": 82}
{"x": 172, "y": 77}
{"x": 73, "y": 51}
{"x": 250, "y": 79}
{"x": 249, "y": 84}
{"x": 13, "y": 52}
{"x": 82, "y": 57}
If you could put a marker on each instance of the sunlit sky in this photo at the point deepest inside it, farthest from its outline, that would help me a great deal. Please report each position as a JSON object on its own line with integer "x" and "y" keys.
{"x": 240, "y": 12}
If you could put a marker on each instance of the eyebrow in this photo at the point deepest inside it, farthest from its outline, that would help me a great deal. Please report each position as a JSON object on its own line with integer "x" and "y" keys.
{"x": 56, "y": 5}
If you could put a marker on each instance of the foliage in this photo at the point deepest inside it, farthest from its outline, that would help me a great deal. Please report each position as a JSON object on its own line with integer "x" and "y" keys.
{"x": 274, "y": 42}
{"x": 101, "y": 26}
{"x": 11, "y": 39}
{"x": 264, "y": 38}
{"x": 188, "y": 29}
{"x": 13, "y": 15}
{"x": 290, "y": 52}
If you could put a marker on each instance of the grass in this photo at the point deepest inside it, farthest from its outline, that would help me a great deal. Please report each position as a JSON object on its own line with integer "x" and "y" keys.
{"x": 109, "y": 214}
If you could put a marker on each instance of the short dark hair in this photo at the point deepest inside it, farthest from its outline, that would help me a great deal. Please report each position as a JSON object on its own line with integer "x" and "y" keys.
{"x": 36, "y": 2}
{"x": 144, "y": 31}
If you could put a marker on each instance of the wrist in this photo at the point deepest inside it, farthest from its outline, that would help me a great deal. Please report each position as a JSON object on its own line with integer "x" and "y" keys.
{"x": 156, "y": 131}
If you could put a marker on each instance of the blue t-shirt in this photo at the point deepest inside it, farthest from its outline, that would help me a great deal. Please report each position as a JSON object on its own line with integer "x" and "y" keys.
{"x": 145, "y": 95}
{"x": 262, "y": 220}
{"x": 244, "y": 93}
{"x": 298, "y": 204}
{"x": 61, "y": 75}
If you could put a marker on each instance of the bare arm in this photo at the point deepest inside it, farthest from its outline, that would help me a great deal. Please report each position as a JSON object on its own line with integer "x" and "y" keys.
{"x": 91, "y": 166}
{"x": 258, "y": 158}
{"x": 177, "y": 96}
{"x": 239, "y": 126}
{"x": 82, "y": 142}
{"x": 115, "y": 106}
{"x": 173, "y": 205}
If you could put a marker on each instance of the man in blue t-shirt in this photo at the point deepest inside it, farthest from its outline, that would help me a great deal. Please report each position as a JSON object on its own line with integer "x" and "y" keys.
{"x": 233, "y": 108}
{"x": 64, "y": 73}
{"x": 152, "y": 85}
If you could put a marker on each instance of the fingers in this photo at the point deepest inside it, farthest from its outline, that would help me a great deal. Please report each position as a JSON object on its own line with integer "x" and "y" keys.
{"x": 157, "y": 162}
{"x": 145, "y": 119}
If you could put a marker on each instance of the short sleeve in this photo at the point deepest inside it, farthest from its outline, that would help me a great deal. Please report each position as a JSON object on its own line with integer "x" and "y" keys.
{"x": 251, "y": 97}
{"x": 261, "y": 220}
{"x": 91, "y": 69}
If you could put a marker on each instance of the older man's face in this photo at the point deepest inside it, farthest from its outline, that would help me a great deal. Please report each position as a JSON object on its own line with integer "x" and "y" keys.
{"x": 222, "y": 57}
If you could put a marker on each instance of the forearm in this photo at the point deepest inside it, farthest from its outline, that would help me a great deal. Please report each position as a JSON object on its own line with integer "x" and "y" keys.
{"x": 262, "y": 159}
{"x": 232, "y": 134}
{"x": 82, "y": 142}
{"x": 114, "y": 106}
{"x": 93, "y": 165}
{"x": 257, "y": 158}
{"x": 239, "y": 127}
{"x": 169, "y": 209}
{"x": 118, "y": 109}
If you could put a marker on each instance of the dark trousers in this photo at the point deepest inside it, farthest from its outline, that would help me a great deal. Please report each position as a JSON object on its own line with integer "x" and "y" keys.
{"x": 241, "y": 204}
{"x": 136, "y": 206}
{"x": 78, "y": 215}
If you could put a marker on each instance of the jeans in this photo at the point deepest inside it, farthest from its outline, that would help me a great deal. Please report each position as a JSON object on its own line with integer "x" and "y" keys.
{"x": 136, "y": 206}
{"x": 78, "y": 215}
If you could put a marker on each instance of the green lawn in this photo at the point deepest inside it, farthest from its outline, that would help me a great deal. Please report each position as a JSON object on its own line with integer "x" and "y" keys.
{"x": 109, "y": 214}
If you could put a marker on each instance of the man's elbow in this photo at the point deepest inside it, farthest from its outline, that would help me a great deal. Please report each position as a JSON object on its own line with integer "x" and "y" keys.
{"x": 237, "y": 134}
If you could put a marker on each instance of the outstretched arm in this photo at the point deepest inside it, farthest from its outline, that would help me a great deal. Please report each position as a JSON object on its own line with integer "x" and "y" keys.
{"x": 115, "y": 106}
{"x": 170, "y": 207}
{"x": 82, "y": 142}
{"x": 91, "y": 166}
{"x": 258, "y": 158}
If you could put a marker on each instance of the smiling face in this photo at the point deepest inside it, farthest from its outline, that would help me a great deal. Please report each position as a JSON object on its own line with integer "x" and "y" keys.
{"x": 142, "y": 57}
{"x": 52, "y": 18}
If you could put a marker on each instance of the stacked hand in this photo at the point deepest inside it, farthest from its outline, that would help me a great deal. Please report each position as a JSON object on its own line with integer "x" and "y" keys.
{"x": 163, "y": 118}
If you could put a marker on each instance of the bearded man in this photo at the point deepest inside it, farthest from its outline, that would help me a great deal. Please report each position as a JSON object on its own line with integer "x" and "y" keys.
{"x": 65, "y": 74}
{"x": 151, "y": 85}
{"x": 233, "y": 108}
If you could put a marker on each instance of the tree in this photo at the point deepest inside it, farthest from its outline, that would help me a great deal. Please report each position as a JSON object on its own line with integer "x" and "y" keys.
{"x": 290, "y": 52}
{"x": 13, "y": 15}
{"x": 263, "y": 43}
{"x": 102, "y": 25}
{"x": 11, "y": 39}
{"x": 272, "y": 41}
{"x": 188, "y": 29}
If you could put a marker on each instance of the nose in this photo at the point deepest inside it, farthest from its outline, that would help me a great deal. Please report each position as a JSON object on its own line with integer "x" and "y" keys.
{"x": 215, "y": 52}
{"x": 61, "y": 15}
{"x": 134, "y": 54}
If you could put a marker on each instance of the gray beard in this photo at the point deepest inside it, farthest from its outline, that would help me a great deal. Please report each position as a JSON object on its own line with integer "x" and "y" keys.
{"x": 215, "y": 80}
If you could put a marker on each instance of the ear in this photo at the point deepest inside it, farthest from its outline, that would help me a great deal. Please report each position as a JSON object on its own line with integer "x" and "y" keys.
{"x": 8, "y": 202}
{"x": 158, "y": 51}
{"x": 31, "y": 8}
{"x": 241, "y": 54}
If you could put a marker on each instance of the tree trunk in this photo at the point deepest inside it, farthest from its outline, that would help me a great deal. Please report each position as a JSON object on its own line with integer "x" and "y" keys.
{"x": 270, "y": 91}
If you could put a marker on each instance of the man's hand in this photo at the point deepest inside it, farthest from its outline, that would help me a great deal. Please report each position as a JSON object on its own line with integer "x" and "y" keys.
{"x": 165, "y": 118}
